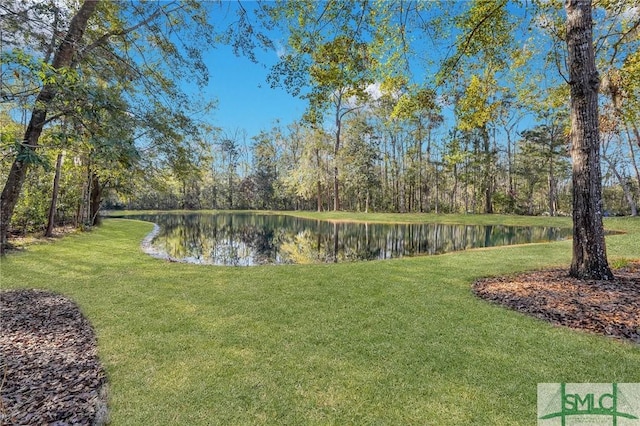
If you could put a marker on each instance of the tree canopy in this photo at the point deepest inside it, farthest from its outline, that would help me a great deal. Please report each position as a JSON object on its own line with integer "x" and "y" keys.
{"x": 411, "y": 106}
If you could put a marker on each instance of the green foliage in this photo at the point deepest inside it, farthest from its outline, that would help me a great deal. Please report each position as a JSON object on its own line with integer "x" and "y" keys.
{"x": 412, "y": 105}
{"x": 31, "y": 211}
{"x": 121, "y": 115}
{"x": 541, "y": 164}
{"x": 485, "y": 38}
{"x": 31, "y": 157}
{"x": 329, "y": 51}
{"x": 620, "y": 263}
{"x": 24, "y": 65}
{"x": 505, "y": 202}
{"x": 120, "y": 91}
{"x": 358, "y": 159}
{"x": 486, "y": 29}
{"x": 305, "y": 176}
{"x": 614, "y": 200}
{"x": 265, "y": 167}
{"x": 475, "y": 109}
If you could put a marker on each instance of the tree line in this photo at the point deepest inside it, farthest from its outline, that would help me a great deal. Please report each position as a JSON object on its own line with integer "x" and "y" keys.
{"x": 105, "y": 122}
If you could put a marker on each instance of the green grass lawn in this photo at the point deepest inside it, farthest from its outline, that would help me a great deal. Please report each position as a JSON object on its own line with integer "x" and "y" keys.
{"x": 386, "y": 342}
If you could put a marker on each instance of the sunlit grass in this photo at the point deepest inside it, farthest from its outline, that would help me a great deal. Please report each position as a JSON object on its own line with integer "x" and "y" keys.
{"x": 390, "y": 342}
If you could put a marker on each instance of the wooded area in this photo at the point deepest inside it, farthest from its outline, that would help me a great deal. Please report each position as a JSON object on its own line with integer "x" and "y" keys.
{"x": 94, "y": 115}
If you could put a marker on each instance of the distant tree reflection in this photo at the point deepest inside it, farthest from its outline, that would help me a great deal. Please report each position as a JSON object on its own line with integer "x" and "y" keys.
{"x": 246, "y": 239}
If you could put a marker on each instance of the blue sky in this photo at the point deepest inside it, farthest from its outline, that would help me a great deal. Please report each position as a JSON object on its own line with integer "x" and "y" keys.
{"x": 245, "y": 99}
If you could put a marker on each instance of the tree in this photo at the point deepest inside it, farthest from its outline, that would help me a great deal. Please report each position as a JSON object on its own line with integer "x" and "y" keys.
{"x": 589, "y": 249}
{"x": 541, "y": 158}
{"x": 290, "y": 144}
{"x": 476, "y": 111}
{"x": 62, "y": 60}
{"x": 331, "y": 54}
{"x": 308, "y": 178}
{"x": 486, "y": 48}
{"x": 339, "y": 76}
{"x": 265, "y": 169}
{"x": 117, "y": 45}
{"x": 54, "y": 196}
{"x": 419, "y": 108}
{"x": 229, "y": 147}
{"x": 358, "y": 161}
{"x": 545, "y": 147}
{"x": 612, "y": 157}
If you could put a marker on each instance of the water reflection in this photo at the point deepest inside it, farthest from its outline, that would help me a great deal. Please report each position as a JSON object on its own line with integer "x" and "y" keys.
{"x": 246, "y": 239}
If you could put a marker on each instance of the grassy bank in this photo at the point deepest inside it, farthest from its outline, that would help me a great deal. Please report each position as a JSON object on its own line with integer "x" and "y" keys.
{"x": 386, "y": 342}
{"x": 510, "y": 220}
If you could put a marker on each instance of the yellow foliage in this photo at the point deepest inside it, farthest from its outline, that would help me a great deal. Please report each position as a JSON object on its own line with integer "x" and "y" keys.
{"x": 474, "y": 109}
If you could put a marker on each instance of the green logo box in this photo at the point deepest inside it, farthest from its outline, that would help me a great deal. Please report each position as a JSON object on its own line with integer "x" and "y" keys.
{"x": 589, "y": 404}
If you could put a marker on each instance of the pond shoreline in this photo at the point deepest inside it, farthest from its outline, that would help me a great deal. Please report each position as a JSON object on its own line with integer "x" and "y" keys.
{"x": 251, "y": 239}
{"x": 147, "y": 246}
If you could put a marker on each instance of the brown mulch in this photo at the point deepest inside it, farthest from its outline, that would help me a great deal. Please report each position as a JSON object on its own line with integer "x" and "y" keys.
{"x": 49, "y": 369}
{"x": 611, "y": 308}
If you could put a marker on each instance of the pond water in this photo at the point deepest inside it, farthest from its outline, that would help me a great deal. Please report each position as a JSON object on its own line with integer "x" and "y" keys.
{"x": 246, "y": 239}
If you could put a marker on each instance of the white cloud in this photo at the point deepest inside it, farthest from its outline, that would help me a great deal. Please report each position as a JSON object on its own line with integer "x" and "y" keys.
{"x": 374, "y": 90}
{"x": 281, "y": 49}
{"x": 631, "y": 14}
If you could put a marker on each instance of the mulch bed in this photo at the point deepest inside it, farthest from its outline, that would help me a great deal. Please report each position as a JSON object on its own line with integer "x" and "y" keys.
{"x": 50, "y": 372}
{"x": 611, "y": 308}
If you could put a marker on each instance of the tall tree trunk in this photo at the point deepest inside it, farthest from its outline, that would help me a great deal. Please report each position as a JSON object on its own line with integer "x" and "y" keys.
{"x": 437, "y": 209}
{"x": 402, "y": 177}
{"x": 336, "y": 195}
{"x": 420, "y": 194}
{"x": 336, "y": 149}
{"x": 487, "y": 178}
{"x": 589, "y": 250}
{"x": 214, "y": 190}
{"x": 318, "y": 182}
{"x": 454, "y": 204}
{"x": 85, "y": 209}
{"x": 632, "y": 156}
{"x": 395, "y": 186}
{"x": 509, "y": 162}
{"x": 623, "y": 183}
{"x": 54, "y": 196}
{"x": 17, "y": 174}
{"x": 636, "y": 132}
{"x": 335, "y": 242}
{"x": 230, "y": 192}
{"x": 367, "y": 200}
{"x": 551, "y": 181}
{"x": 95, "y": 200}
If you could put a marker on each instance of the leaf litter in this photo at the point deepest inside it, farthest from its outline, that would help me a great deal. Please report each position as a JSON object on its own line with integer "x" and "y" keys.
{"x": 49, "y": 367}
{"x": 607, "y": 307}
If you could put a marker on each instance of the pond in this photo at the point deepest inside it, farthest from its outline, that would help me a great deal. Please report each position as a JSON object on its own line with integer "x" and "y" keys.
{"x": 247, "y": 239}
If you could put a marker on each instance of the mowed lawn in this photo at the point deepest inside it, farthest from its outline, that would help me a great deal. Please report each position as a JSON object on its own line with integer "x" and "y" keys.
{"x": 387, "y": 342}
